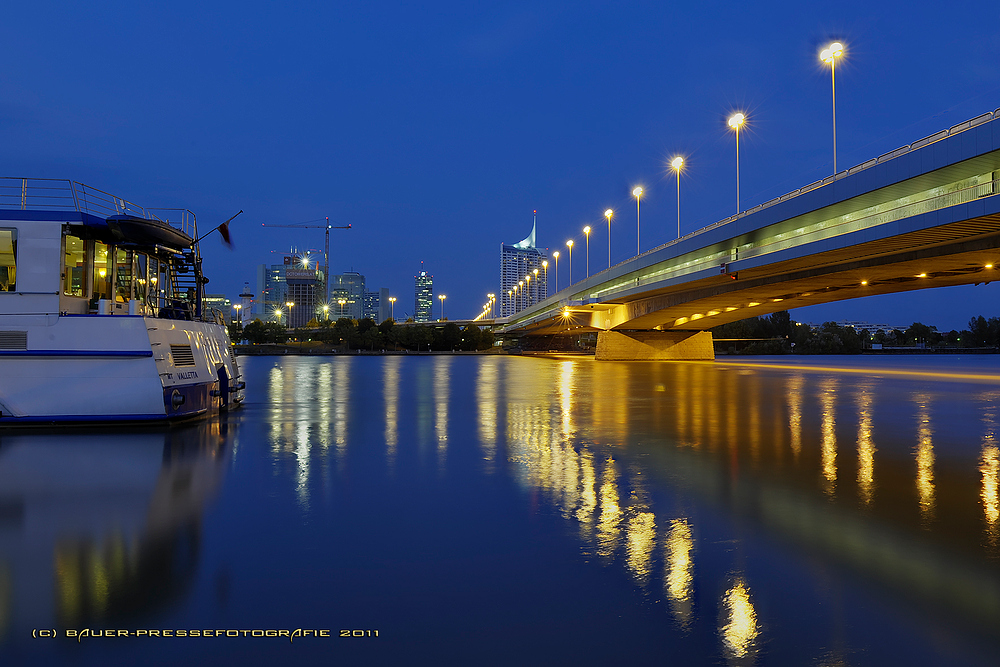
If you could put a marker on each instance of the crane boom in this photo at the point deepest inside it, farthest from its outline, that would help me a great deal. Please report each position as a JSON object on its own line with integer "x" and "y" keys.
{"x": 326, "y": 248}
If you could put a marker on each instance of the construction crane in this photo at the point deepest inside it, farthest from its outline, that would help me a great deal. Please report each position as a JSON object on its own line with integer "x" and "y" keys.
{"x": 326, "y": 249}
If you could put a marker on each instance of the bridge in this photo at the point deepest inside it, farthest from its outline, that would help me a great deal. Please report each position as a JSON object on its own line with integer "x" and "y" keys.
{"x": 924, "y": 215}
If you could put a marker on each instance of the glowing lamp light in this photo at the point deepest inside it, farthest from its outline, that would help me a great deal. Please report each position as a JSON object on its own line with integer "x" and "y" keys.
{"x": 834, "y": 51}
{"x": 736, "y": 121}
{"x": 677, "y": 162}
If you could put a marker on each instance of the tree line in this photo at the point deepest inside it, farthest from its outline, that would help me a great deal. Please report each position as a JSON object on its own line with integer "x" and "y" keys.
{"x": 778, "y": 333}
{"x": 348, "y": 334}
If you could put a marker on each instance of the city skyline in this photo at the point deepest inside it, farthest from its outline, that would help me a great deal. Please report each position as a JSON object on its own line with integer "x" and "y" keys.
{"x": 487, "y": 133}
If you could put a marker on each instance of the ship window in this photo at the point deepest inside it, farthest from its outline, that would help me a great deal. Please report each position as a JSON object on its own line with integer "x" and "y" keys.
{"x": 123, "y": 275}
{"x": 102, "y": 271}
{"x": 8, "y": 259}
{"x": 141, "y": 279}
{"x": 74, "y": 280}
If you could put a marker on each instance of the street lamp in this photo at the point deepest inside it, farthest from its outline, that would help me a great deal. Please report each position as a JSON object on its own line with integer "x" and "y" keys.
{"x": 637, "y": 193}
{"x": 342, "y": 302}
{"x": 492, "y": 299}
{"x": 677, "y": 163}
{"x": 510, "y": 298}
{"x": 570, "y": 245}
{"x": 519, "y": 288}
{"x": 326, "y": 312}
{"x": 392, "y": 308}
{"x": 289, "y": 304}
{"x": 535, "y": 271}
{"x": 829, "y": 56}
{"x": 586, "y": 232}
{"x": 608, "y": 214}
{"x": 442, "y": 297}
{"x": 277, "y": 314}
{"x": 736, "y": 122}
{"x": 239, "y": 320}
{"x": 555, "y": 256}
{"x": 545, "y": 270}
{"x": 527, "y": 287}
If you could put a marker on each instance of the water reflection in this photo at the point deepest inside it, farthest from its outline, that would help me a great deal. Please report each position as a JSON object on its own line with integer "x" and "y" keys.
{"x": 828, "y": 402}
{"x": 390, "y": 391}
{"x": 989, "y": 468}
{"x": 487, "y": 384}
{"x": 102, "y": 525}
{"x": 866, "y": 448}
{"x": 739, "y": 629}
{"x": 679, "y": 578}
{"x": 925, "y": 459}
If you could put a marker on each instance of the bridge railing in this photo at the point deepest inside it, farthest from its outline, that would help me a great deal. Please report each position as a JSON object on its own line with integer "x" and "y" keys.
{"x": 902, "y": 150}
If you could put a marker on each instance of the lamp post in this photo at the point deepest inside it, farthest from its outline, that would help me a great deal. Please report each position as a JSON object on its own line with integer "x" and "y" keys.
{"x": 392, "y": 308}
{"x": 341, "y": 302}
{"x": 492, "y": 299}
{"x": 677, "y": 163}
{"x": 277, "y": 314}
{"x": 326, "y": 312}
{"x": 545, "y": 277}
{"x": 535, "y": 272}
{"x": 569, "y": 244}
{"x": 527, "y": 287}
{"x": 608, "y": 214}
{"x": 519, "y": 288}
{"x": 289, "y": 304}
{"x": 442, "y": 297}
{"x": 555, "y": 256}
{"x": 637, "y": 193}
{"x": 829, "y": 56}
{"x": 586, "y": 232}
{"x": 736, "y": 122}
{"x": 239, "y": 320}
{"x": 510, "y": 298}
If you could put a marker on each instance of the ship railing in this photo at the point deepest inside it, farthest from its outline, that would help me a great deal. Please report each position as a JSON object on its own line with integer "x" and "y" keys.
{"x": 52, "y": 194}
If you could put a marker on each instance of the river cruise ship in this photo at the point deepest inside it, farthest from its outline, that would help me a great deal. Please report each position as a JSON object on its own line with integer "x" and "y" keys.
{"x": 102, "y": 316}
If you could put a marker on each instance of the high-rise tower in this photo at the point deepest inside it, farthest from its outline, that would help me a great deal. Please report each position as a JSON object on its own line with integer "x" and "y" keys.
{"x": 516, "y": 263}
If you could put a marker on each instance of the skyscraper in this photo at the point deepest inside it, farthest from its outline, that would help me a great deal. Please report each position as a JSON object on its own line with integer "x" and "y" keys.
{"x": 516, "y": 262}
{"x": 350, "y": 288}
{"x": 423, "y": 296}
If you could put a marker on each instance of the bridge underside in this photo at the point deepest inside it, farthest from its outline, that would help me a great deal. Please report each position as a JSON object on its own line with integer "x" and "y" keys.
{"x": 953, "y": 254}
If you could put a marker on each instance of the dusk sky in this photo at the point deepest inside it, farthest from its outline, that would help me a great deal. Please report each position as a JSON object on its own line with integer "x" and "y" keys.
{"x": 435, "y": 129}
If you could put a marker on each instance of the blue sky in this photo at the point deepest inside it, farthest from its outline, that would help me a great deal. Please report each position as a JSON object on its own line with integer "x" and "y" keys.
{"x": 435, "y": 129}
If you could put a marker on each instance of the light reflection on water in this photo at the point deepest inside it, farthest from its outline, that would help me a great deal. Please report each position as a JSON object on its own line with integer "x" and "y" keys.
{"x": 711, "y": 490}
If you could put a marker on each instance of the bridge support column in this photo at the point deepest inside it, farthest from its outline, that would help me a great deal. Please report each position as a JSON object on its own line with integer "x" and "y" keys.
{"x": 655, "y": 346}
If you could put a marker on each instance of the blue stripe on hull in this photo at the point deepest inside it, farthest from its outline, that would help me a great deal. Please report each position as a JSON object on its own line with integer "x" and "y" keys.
{"x": 75, "y": 353}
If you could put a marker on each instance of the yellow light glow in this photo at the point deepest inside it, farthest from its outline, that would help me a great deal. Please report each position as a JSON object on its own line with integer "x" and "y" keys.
{"x": 697, "y": 316}
{"x": 921, "y": 275}
{"x": 753, "y": 303}
{"x": 679, "y": 580}
{"x": 637, "y": 192}
{"x": 776, "y": 300}
{"x": 289, "y": 303}
{"x": 730, "y": 309}
{"x": 677, "y": 162}
{"x": 102, "y": 272}
{"x": 712, "y": 312}
{"x": 736, "y": 121}
{"x": 989, "y": 266}
{"x": 569, "y": 243}
{"x": 586, "y": 230}
{"x": 740, "y": 632}
{"x": 608, "y": 214}
{"x": 864, "y": 282}
{"x": 834, "y": 51}
{"x": 556, "y": 254}
{"x": 545, "y": 263}
{"x": 679, "y": 321}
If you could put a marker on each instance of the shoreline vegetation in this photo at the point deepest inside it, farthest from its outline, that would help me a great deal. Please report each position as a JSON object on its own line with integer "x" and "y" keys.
{"x": 773, "y": 334}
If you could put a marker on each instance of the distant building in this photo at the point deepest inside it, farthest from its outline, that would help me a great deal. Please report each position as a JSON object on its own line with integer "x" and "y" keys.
{"x": 423, "y": 296}
{"x": 221, "y": 303}
{"x": 377, "y": 305}
{"x": 295, "y": 280}
{"x": 350, "y": 288}
{"x": 516, "y": 262}
{"x": 271, "y": 290}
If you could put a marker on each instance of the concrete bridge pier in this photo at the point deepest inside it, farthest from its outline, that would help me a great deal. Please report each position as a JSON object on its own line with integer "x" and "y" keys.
{"x": 655, "y": 346}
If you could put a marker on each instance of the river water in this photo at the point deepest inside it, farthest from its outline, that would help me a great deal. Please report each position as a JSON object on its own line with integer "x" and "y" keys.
{"x": 508, "y": 510}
